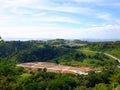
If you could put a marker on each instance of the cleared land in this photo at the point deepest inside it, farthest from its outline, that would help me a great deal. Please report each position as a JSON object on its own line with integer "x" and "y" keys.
{"x": 52, "y": 67}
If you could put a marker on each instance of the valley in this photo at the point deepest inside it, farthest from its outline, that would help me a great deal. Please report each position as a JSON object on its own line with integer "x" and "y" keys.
{"x": 59, "y": 65}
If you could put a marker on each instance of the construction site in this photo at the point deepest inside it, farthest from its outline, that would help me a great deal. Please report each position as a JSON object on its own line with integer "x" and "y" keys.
{"x": 52, "y": 67}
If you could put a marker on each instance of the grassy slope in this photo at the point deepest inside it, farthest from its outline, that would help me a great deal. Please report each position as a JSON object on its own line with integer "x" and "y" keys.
{"x": 90, "y": 59}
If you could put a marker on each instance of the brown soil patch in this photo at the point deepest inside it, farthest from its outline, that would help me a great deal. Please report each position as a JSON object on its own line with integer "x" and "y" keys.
{"x": 52, "y": 67}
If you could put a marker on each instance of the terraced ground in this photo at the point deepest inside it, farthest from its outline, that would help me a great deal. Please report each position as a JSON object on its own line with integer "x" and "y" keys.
{"x": 52, "y": 67}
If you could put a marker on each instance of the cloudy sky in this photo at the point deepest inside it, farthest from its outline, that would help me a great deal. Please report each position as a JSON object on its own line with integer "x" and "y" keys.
{"x": 69, "y": 19}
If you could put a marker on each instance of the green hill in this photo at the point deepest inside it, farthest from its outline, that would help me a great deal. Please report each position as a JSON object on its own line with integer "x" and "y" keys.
{"x": 74, "y": 53}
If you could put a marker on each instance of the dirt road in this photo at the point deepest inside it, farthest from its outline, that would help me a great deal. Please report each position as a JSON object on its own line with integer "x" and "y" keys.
{"x": 109, "y": 55}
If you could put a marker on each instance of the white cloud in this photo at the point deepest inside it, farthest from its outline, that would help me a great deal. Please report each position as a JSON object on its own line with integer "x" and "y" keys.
{"x": 88, "y": 1}
{"x": 40, "y": 14}
{"x": 36, "y": 12}
{"x": 9, "y": 3}
{"x": 36, "y": 32}
{"x": 53, "y": 31}
{"x": 41, "y": 18}
{"x": 109, "y": 18}
{"x": 14, "y": 6}
{"x": 56, "y": 19}
{"x": 70, "y": 9}
{"x": 105, "y": 16}
{"x": 45, "y": 18}
{"x": 117, "y": 21}
{"x": 111, "y": 3}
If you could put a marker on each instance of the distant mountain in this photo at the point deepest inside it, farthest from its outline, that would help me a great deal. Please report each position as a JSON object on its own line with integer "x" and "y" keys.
{"x": 44, "y": 39}
{"x": 99, "y": 40}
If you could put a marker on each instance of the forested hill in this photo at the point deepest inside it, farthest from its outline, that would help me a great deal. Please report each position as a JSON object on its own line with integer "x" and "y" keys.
{"x": 109, "y": 47}
{"x": 24, "y": 51}
{"x": 68, "y": 52}
{"x": 73, "y": 53}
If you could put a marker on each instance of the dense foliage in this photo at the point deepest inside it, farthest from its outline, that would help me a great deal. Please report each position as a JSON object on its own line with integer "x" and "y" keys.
{"x": 110, "y": 47}
{"x": 60, "y": 51}
{"x": 16, "y": 78}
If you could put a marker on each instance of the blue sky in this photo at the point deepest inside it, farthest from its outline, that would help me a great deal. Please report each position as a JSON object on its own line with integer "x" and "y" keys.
{"x": 68, "y": 19}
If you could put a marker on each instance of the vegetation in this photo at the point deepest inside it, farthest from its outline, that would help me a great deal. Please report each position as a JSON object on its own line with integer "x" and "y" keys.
{"x": 109, "y": 47}
{"x": 16, "y": 78}
{"x": 60, "y": 51}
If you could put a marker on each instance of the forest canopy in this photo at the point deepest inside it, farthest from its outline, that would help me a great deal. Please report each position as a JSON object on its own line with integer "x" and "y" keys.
{"x": 72, "y": 53}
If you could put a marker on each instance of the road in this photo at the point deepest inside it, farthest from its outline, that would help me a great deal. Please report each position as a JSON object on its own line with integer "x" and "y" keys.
{"x": 109, "y": 55}
{"x": 112, "y": 57}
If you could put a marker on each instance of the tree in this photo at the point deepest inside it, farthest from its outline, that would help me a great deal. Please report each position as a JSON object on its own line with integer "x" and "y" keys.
{"x": 44, "y": 69}
{"x": 31, "y": 86}
{"x": 101, "y": 86}
{"x": 0, "y": 38}
{"x": 58, "y": 84}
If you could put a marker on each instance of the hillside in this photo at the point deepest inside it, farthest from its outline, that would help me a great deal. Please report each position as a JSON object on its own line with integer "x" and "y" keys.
{"x": 65, "y": 56}
{"x": 108, "y": 47}
{"x": 58, "y": 51}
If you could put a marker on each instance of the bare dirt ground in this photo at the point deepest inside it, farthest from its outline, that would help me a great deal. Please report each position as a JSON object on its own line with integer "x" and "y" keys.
{"x": 52, "y": 67}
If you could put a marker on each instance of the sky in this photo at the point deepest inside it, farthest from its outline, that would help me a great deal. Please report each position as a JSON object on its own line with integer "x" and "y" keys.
{"x": 67, "y": 19}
